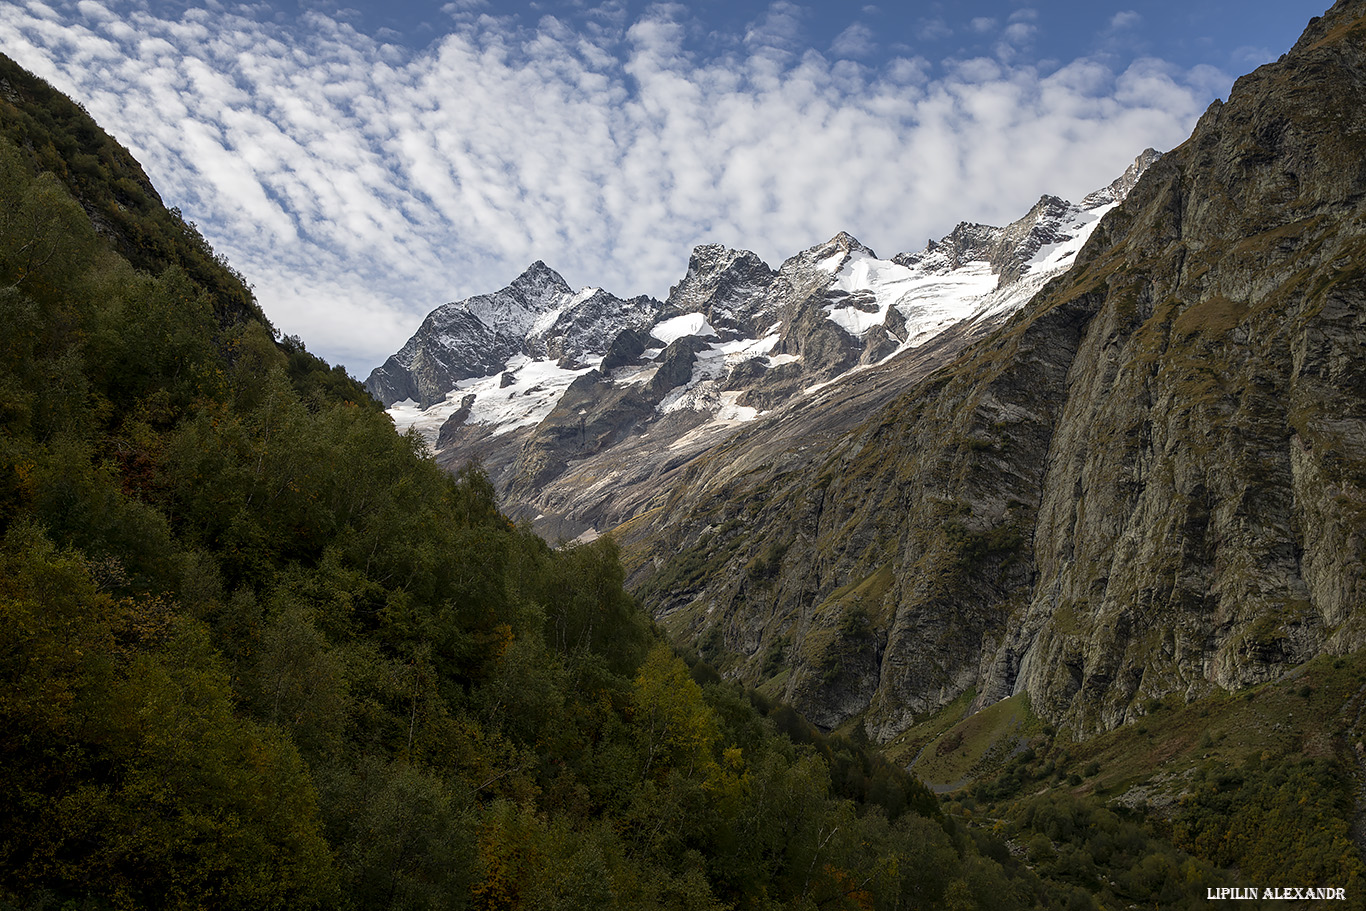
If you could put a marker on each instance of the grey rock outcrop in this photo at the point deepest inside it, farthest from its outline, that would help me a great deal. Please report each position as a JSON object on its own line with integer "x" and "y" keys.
{"x": 1215, "y": 422}
{"x": 429, "y": 366}
{"x": 728, "y": 287}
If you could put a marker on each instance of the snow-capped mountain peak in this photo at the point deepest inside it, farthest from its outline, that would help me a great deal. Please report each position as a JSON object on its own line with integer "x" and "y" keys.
{"x": 538, "y": 282}
{"x": 835, "y": 252}
{"x": 516, "y": 309}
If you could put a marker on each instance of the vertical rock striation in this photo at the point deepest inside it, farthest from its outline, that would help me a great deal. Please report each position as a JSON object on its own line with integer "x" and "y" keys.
{"x": 1201, "y": 521}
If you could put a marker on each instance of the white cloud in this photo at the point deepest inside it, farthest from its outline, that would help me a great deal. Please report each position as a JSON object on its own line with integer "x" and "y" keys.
{"x": 908, "y": 71}
{"x": 1017, "y": 35}
{"x": 778, "y": 29}
{"x": 934, "y": 30}
{"x": 1125, "y": 19}
{"x": 854, "y": 41}
{"x": 358, "y": 185}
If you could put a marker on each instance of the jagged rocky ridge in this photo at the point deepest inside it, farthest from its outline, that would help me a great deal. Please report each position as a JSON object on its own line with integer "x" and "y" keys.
{"x": 536, "y": 317}
{"x": 583, "y": 406}
{"x": 1151, "y": 482}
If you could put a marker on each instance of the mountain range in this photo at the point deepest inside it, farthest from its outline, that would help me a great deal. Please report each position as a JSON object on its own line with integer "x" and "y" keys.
{"x": 1110, "y": 453}
{"x": 549, "y": 388}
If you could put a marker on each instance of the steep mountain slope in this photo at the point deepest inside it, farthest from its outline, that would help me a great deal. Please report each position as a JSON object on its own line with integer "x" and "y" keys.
{"x": 583, "y": 407}
{"x": 1151, "y": 481}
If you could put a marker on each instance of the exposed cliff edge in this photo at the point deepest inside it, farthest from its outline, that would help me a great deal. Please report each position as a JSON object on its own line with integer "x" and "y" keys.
{"x": 1151, "y": 481}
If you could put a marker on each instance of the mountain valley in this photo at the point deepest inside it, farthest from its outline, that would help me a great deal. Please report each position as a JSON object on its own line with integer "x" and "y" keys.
{"x": 1025, "y": 570}
{"x": 1106, "y": 454}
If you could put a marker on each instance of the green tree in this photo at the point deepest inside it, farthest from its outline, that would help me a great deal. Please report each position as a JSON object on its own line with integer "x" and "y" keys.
{"x": 676, "y": 728}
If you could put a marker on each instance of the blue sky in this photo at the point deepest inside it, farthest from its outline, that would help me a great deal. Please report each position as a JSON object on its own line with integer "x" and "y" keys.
{"x": 1230, "y": 35}
{"x": 362, "y": 164}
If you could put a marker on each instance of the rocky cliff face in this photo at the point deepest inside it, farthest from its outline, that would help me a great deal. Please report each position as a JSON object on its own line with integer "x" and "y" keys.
{"x": 726, "y": 286}
{"x": 1150, "y": 481}
{"x": 1201, "y": 518}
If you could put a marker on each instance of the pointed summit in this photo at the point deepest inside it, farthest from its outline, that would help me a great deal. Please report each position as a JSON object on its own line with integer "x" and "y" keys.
{"x": 514, "y": 310}
{"x": 539, "y": 287}
{"x": 847, "y": 243}
{"x": 835, "y": 252}
{"x": 539, "y": 275}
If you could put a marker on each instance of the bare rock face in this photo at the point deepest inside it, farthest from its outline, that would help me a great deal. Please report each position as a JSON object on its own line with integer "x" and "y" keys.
{"x": 964, "y": 244}
{"x": 1201, "y": 522}
{"x": 1149, "y": 481}
{"x": 427, "y": 368}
